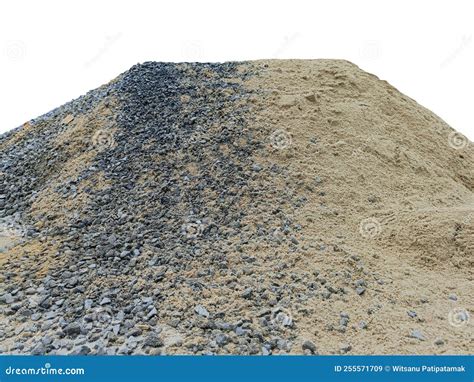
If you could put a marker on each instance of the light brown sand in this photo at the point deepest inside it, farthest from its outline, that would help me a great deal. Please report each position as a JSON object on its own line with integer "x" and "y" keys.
{"x": 381, "y": 159}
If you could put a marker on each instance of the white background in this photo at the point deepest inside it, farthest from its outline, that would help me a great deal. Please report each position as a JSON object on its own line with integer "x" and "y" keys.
{"x": 53, "y": 51}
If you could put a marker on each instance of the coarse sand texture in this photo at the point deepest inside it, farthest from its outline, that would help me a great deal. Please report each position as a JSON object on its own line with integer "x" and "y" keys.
{"x": 264, "y": 207}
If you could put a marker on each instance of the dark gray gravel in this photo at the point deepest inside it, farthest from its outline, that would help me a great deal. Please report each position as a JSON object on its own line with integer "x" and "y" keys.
{"x": 137, "y": 254}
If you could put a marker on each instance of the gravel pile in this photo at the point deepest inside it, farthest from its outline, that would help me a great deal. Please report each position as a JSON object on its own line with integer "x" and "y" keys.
{"x": 220, "y": 209}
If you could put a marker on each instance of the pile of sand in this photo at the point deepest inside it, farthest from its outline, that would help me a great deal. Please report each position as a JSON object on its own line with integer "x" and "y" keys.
{"x": 268, "y": 207}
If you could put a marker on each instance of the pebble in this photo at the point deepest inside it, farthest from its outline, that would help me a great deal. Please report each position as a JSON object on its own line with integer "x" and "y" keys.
{"x": 152, "y": 313}
{"x": 344, "y": 319}
{"x": 72, "y": 329}
{"x": 7, "y": 298}
{"x": 39, "y": 349}
{"x": 88, "y": 303}
{"x": 202, "y": 311}
{"x": 345, "y": 348}
{"x": 360, "y": 290}
{"x": 308, "y": 345}
{"x": 240, "y": 331}
{"x": 105, "y": 301}
{"x": 417, "y": 334}
{"x": 222, "y": 339}
{"x": 153, "y": 340}
{"x": 412, "y": 313}
{"x": 247, "y": 293}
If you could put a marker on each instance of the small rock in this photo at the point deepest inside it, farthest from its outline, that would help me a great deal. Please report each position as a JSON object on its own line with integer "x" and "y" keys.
{"x": 222, "y": 339}
{"x": 453, "y": 297}
{"x": 282, "y": 344}
{"x": 88, "y": 303}
{"x": 83, "y": 350}
{"x": 283, "y": 319}
{"x": 72, "y": 329}
{"x": 412, "y": 313}
{"x": 7, "y": 298}
{"x": 67, "y": 119}
{"x": 308, "y": 345}
{"x": 360, "y": 290}
{"x": 199, "y": 309}
{"x": 344, "y": 320}
{"x": 153, "y": 340}
{"x": 47, "y": 340}
{"x": 39, "y": 349}
{"x": 240, "y": 331}
{"x": 345, "y": 348}
{"x": 439, "y": 342}
{"x": 247, "y": 293}
{"x": 417, "y": 334}
{"x": 105, "y": 301}
{"x": 152, "y": 313}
